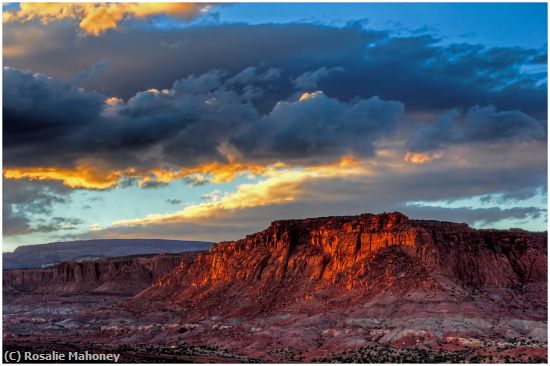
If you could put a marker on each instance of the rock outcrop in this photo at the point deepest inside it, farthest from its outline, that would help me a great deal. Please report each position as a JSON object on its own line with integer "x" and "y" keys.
{"x": 121, "y": 275}
{"x": 296, "y": 259}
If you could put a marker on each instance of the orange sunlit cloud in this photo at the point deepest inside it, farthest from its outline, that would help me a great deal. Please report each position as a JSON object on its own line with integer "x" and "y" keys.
{"x": 93, "y": 175}
{"x": 422, "y": 158}
{"x": 306, "y": 95}
{"x": 219, "y": 172}
{"x": 283, "y": 185}
{"x": 83, "y": 176}
{"x": 97, "y": 18}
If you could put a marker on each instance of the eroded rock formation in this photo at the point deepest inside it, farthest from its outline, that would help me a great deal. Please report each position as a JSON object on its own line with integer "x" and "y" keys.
{"x": 121, "y": 275}
{"x": 297, "y": 259}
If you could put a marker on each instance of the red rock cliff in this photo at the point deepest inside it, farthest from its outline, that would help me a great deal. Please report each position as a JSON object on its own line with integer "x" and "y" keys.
{"x": 294, "y": 257}
{"x": 122, "y": 275}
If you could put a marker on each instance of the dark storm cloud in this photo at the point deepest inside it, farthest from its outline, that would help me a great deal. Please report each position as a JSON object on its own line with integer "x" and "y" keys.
{"x": 202, "y": 113}
{"x": 310, "y": 79}
{"x": 417, "y": 70}
{"x": 95, "y": 71}
{"x": 25, "y": 201}
{"x": 48, "y": 122}
{"x": 190, "y": 121}
{"x": 55, "y": 224}
{"x": 511, "y": 197}
{"x": 474, "y": 216}
{"x": 238, "y": 94}
{"x": 322, "y": 125}
{"x": 185, "y": 125}
{"x": 236, "y": 47}
{"x": 44, "y": 106}
{"x": 428, "y": 76}
{"x": 478, "y": 124}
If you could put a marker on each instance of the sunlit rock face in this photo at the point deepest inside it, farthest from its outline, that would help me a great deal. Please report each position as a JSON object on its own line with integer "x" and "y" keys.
{"x": 299, "y": 259}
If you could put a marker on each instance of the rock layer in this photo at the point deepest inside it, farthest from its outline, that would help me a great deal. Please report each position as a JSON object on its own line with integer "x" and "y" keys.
{"x": 296, "y": 259}
{"x": 121, "y": 276}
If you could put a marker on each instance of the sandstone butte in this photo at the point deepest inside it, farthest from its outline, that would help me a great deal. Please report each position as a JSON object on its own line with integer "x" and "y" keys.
{"x": 294, "y": 260}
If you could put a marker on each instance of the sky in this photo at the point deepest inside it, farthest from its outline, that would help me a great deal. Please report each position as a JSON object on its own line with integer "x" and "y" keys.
{"x": 207, "y": 122}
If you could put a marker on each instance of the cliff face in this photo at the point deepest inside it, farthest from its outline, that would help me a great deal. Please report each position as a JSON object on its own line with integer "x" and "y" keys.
{"x": 295, "y": 259}
{"x": 356, "y": 257}
{"x": 486, "y": 257}
{"x": 123, "y": 275}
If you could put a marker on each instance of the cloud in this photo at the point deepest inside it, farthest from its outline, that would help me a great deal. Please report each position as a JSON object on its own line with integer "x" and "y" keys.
{"x": 422, "y": 158}
{"x": 95, "y": 71}
{"x": 479, "y": 217}
{"x": 51, "y": 126}
{"x": 319, "y": 126}
{"x": 435, "y": 77}
{"x": 288, "y": 48}
{"x": 24, "y": 201}
{"x": 39, "y": 109}
{"x": 115, "y": 115}
{"x": 98, "y": 176}
{"x": 204, "y": 129}
{"x": 96, "y": 18}
{"x": 83, "y": 176}
{"x": 514, "y": 197}
{"x": 310, "y": 79}
{"x": 382, "y": 183}
{"x": 56, "y": 224}
{"x": 14, "y": 223}
{"x": 478, "y": 124}
{"x": 250, "y": 75}
{"x": 203, "y": 126}
{"x": 282, "y": 186}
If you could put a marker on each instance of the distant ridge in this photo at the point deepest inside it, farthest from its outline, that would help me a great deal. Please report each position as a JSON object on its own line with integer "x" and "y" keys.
{"x": 43, "y": 255}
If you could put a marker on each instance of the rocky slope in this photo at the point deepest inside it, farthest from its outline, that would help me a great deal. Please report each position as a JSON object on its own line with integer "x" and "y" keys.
{"x": 121, "y": 275}
{"x": 296, "y": 259}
